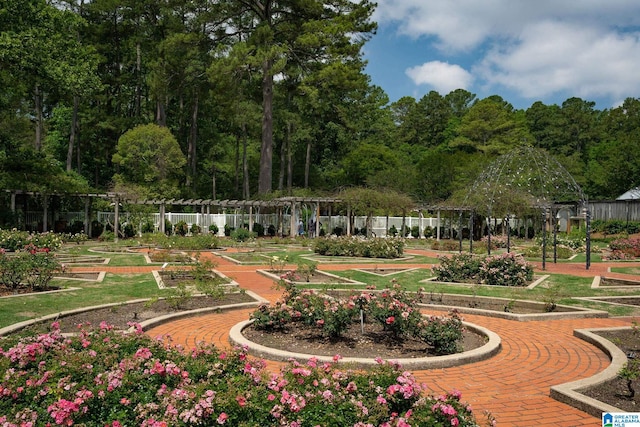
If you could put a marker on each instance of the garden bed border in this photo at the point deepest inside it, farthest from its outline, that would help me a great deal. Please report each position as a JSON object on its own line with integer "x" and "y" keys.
{"x": 492, "y": 347}
{"x": 569, "y": 393}
{"x": 572, "y": 313}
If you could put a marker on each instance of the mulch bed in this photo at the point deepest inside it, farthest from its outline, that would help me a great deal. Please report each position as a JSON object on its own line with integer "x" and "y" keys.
{"x": 615, "y": 391}
{"x": 373, "y": 343}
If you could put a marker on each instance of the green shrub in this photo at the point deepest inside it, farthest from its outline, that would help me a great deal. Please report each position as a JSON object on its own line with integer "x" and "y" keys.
{"x": 147, "y": 227}
{"x": 241, "y": 234}
{"x": 271, "y": 230}
{"x": 195, "y": 229}
{"x": 128, "y": 231}
{"x": 107, "y": 236}
{"x": 181, "y": 228}
{"x": 258, "y": 229}
{"x": 415, "y": 232}
{"x": 393, "y": 231}
{"x": 428, "y": 231}
{"x": 213, "y": 228}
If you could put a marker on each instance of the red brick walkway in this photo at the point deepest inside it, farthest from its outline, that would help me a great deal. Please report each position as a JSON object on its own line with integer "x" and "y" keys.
{"x": 513, "y": 385}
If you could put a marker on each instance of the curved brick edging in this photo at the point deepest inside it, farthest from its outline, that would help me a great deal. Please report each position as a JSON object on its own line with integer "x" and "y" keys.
{"x": 491, "y": 348}
{"x": 569, "y": 393}
{"x": 145, "y": 325}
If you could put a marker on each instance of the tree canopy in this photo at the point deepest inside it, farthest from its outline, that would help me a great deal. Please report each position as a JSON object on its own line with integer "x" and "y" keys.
{"x": 248, "y": 97}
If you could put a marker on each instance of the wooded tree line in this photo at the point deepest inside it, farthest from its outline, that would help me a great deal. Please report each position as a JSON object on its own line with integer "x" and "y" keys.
{"x": 244, "y": 98}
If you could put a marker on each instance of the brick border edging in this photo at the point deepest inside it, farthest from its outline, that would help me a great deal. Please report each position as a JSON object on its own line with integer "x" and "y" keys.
{"x": 490, "y": 349}
{"x": 569, "y": 393}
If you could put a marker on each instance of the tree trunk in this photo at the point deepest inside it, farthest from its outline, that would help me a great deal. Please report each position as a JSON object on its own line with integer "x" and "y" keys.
{"x": 213, "y": 181}
{"x": 72, "y": 135}
{"x": 245, "y": 164}
{"x": 37, "y": 97}
{"x": 191, "y": 150}
{"x": 161, "y": 115}
{"x": 138, "y": 101}
{"x": 283, "y": 157}
{"x": 307, "y": 165}
{"x": 237, "y": 167}
{"x": 266, "y": 149}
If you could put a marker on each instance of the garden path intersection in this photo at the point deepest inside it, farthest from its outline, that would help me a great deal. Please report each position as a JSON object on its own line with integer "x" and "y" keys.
{"x": 513, "y": 385}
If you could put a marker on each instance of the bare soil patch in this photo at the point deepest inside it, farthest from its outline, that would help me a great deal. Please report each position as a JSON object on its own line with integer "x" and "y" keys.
{"x": 615, "y": 392}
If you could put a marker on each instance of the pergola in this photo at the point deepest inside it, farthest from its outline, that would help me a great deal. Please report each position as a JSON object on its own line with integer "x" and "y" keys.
{"x": 205, "y": 206}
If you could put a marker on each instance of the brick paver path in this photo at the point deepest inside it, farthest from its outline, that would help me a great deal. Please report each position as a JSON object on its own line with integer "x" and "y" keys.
{"x": 513, "y": 385}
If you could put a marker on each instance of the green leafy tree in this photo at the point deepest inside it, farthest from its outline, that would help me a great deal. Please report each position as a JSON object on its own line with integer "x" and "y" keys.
{"x": 150, "y": 162}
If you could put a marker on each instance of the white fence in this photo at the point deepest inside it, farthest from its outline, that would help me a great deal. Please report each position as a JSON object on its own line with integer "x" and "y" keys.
{"x": 380, "y": 225}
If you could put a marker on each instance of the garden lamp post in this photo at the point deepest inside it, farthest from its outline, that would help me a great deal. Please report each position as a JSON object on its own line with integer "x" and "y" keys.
{"x": 507, "y": 220}
{"x": 556, "y": 218}
{"x": 544, "y": 238}
{"x": 587, "y": 217}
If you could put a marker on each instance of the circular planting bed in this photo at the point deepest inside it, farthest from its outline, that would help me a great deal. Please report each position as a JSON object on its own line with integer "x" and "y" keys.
{"x": 301, "y": 344}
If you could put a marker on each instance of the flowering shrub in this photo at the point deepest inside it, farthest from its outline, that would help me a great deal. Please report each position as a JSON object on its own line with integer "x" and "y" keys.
{"x": 503, "y": 270}
{"x": 445, "y": 245}
{"x": 31, "y": 267}
{"x": 13, "y": 240}
{"x": 497, "y": 241}
{"x": 377, "y": 247}
{"x": 394, "y": 309}
{"x": 107, "y": 378}
{"x": 625, "y": 248}
{"x": 562, "y": 252}
{"x": 444, "y": 334}
{"x": 74, "y": 237}
{"x": 461, "y": 267}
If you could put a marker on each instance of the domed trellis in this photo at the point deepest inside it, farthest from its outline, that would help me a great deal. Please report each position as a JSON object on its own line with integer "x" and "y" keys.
{"x": 523, "y": 180}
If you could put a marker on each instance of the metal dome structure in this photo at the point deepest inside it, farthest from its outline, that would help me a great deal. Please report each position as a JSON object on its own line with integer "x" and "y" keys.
{"x": 524, "y": 180}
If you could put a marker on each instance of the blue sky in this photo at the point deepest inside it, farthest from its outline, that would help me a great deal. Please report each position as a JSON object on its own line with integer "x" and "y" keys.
{"x": 522, "y": 50}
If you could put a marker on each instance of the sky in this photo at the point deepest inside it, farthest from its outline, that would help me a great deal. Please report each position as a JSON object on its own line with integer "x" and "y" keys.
{"x": 523, "y": 50}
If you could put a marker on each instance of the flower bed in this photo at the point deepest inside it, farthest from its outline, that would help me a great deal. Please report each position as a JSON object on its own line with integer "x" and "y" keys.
{"x": 352, "y": 246}
{"x": 394, "y": 309}
{"x": 622, "y": 249}
{"x": 112, "y": 379}
{"x": 500, "y": 270}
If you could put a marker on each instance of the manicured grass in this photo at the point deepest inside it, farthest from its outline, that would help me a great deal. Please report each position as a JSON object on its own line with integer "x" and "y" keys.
{"x": 114, "y": 288}
{"x": 626, "y": 270}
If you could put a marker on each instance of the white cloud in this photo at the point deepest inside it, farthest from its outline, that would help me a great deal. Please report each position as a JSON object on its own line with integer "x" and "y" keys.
{"x": 536, "y": 49}
{"x": 465, "y": 24}
{"x": 553, "y": 57}
{"x": 441, "y": 76}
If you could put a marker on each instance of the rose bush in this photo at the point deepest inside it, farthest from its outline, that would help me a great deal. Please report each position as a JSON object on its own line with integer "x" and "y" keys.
{"x": 506, "y": 269}
{"x": 108, "y": 378}
{"x": 393, "y": 308}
